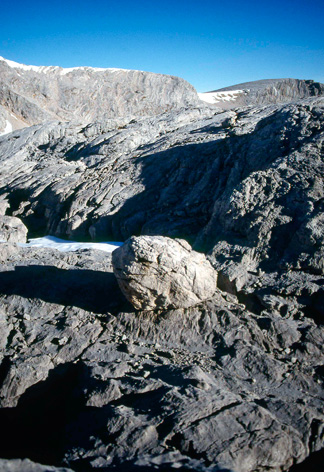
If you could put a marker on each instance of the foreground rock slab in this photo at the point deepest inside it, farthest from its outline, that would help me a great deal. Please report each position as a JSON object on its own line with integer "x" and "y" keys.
{"x": 157, "y": 272}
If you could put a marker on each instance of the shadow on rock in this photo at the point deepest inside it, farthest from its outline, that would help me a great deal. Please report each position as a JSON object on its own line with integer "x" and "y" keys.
{"x": 36, "y": 427}
{"x": 87, "y": 289}
{"x": 313, "y": 463}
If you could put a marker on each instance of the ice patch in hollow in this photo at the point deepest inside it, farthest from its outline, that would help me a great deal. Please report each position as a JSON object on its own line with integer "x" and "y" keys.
{"x": 65, "y": 246}
{"x": 218, "y": 97}
{"x": 8, "y": 128}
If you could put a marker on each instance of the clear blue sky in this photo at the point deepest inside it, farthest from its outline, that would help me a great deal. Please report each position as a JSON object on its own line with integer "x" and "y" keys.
{"x": 211, "y": 44}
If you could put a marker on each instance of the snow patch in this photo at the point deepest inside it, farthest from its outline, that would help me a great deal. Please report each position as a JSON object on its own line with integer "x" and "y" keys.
{"x": 66, "y": 246}
{"x": 60, "y": 70}
{"x": 67, "y": 70}
{"x": 7, "y": 129}
{"x": 219, "y": 97}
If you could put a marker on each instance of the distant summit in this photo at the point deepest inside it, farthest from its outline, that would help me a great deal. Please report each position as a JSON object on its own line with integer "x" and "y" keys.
{"x": 263, "y": 92}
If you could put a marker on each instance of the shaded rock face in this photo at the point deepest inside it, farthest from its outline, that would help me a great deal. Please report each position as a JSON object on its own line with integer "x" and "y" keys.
{"x": 12, "y": 230}
{"x": 160, "y": 273}
{"x": 34, "y": 95}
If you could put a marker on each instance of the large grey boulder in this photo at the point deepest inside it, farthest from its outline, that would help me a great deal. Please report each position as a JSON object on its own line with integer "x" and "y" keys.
{"x": 157, "y": 272}
{"x": 12, "y": 230}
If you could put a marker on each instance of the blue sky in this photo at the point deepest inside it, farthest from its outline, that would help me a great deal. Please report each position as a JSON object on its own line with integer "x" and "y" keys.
{"x": 211, "y": 44}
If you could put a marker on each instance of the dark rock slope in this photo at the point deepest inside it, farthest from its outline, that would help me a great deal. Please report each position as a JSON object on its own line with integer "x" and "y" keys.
{"x": 234, "y": 383}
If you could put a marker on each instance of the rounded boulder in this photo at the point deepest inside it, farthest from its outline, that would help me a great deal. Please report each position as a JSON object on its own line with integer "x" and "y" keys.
{"x": 156, "y": 272}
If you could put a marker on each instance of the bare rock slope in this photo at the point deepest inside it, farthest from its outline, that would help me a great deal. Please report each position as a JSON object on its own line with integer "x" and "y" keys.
{"x": 249, "y": 181}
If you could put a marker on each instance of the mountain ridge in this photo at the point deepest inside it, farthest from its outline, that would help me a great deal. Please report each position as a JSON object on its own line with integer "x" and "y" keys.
{"x": 35, "y": 94}
{"x": 263, "y": 92}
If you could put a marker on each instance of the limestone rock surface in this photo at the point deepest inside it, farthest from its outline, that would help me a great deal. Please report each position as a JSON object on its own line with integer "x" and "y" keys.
{"x": 169, "y": 385}
{"x": 245, "y": 186}
{"x": 214, "y": 387}
{"x": 156, "y": 272}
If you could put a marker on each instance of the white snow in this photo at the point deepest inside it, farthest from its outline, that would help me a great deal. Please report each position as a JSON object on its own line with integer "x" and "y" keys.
{"x": 16, "y": 65}
{"x": 66, "y": 70}
{"x": 60, "y": 70}
{"x": 66, "y": 246}
{"x": 8, "y": 128}
{"x": 218, "y": 97}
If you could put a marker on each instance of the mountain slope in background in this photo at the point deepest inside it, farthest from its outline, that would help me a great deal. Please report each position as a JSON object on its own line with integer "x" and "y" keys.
{"x": 35, "y": 94}
{"x": 263, "y": 92}
{"x": 31, "y": 95}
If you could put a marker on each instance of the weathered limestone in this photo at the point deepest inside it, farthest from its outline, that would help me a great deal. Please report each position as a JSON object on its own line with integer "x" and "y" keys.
{"x": 174, "y": 387}
{"x": 156, "y": 272}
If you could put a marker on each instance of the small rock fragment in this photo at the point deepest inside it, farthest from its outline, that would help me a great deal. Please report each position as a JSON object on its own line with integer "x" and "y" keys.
{"x": 12, "y": 230}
